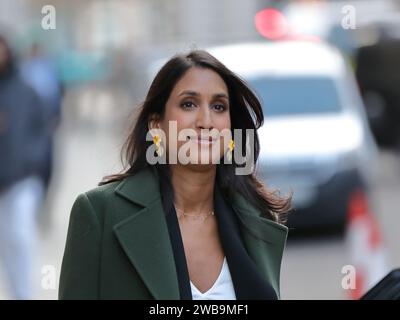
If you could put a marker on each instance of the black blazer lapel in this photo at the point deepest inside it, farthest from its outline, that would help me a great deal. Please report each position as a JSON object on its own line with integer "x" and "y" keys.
{"x": 247, "y": 279}
{"x": 176, "y": 241}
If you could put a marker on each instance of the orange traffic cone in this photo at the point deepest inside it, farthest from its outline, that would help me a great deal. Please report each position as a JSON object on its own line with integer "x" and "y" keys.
{"x": 366, "y": 245}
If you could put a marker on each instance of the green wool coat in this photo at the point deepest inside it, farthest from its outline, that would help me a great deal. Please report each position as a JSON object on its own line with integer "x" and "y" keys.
{"x": 118, "y": 245}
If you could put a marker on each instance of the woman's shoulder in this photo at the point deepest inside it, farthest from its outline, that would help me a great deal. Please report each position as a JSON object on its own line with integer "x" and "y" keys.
{"x": 95, "y": 199}
{"x": 110, "y": 199}
{"x": 139, "y": 185}
{"x": 102, "y": 192}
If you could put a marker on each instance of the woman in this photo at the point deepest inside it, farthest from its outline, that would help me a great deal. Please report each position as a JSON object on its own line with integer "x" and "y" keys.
{"x": 186, "y": 226}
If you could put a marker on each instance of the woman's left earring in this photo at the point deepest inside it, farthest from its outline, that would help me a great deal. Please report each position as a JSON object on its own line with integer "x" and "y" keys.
{"x": 231, "y": 146}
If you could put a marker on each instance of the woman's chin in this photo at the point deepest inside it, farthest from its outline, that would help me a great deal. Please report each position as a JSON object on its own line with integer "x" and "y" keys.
{"x": 205, "y": 159}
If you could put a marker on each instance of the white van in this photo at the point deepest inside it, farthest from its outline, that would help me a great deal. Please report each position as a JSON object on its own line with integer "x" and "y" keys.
{"x": 315, "y": 139}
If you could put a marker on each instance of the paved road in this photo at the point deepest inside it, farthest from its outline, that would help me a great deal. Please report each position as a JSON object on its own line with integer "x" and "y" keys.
{"x": 311, "y": 269}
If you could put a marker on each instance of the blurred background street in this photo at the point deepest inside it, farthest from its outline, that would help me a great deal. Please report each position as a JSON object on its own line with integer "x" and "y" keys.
{"x": 104, "y": 54}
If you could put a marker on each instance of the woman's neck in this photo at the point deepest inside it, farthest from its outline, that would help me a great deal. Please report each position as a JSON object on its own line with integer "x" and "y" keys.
{"x": 193, "y": 189}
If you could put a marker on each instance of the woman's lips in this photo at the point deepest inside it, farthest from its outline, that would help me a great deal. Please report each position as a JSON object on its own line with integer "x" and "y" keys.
{"x": 203, "y": 140}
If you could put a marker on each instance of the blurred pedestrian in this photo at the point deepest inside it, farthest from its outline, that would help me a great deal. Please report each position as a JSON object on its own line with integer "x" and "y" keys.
{"x": 40, "y": 73}
{"x": 22, "y": 152}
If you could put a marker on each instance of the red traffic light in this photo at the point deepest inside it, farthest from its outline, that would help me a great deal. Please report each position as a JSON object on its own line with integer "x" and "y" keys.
{"x": 271, "y": 24}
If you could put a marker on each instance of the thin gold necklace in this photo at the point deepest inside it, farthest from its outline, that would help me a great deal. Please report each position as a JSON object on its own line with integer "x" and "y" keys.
{"x": 193, "y": 216}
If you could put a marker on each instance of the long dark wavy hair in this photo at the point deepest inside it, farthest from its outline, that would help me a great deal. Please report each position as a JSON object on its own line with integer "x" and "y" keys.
{"x": 245, "y": 113}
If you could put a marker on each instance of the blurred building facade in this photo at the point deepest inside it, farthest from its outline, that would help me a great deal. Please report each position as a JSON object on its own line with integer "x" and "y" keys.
{"x": 95, "y": 37}
{"x": 133, "y": 30}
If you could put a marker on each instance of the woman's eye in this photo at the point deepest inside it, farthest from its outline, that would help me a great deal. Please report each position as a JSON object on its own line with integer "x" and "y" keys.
{"x": 219, "y": 107}
{"x": 187, "y": 104}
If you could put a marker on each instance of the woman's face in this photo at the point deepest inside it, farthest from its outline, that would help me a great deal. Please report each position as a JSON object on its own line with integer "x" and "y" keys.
{"x": 199, "y": 105}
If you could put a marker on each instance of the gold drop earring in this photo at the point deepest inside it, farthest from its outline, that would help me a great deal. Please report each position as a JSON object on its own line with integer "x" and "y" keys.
{"x": 231, "y": 146}
{"x": 157, "y": 142}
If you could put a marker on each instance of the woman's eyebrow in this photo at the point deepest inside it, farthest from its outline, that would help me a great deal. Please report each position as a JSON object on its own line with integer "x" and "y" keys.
{"x": 189, "y": 93}
{"x": 220, "y": 95}
{"x": 196, "y": 94}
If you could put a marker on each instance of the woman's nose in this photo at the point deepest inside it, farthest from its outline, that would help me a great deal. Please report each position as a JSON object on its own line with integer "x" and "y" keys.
{"x": 204, "y": 118}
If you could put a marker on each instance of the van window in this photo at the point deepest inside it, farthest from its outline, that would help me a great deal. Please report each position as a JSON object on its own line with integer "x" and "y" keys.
{"x": 282, "y": 96}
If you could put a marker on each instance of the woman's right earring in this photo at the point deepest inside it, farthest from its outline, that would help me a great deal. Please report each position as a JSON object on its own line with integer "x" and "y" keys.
{"x": 157, "y": 142}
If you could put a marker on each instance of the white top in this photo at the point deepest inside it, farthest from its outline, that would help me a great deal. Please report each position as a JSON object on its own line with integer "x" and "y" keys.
{"x": 222, "y": 289}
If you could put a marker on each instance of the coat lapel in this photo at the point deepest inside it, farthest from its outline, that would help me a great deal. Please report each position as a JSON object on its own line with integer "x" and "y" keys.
{"x": 264, "y": 239}
{"x": 144, "y": 236}
{"x": 254, "y": 285}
